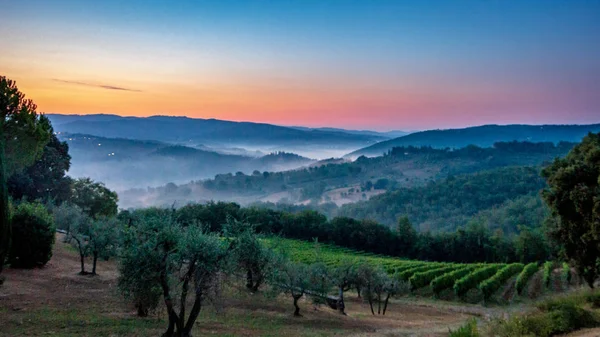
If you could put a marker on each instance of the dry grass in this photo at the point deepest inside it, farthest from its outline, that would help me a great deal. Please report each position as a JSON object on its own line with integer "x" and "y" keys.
{"x": 56, "y": 301}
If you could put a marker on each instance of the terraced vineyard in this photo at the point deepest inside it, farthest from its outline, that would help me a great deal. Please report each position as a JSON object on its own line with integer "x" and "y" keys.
{"x": 439, "y": 280}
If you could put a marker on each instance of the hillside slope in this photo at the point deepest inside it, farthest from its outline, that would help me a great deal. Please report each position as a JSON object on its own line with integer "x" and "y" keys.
{"x": 483, "y": 136}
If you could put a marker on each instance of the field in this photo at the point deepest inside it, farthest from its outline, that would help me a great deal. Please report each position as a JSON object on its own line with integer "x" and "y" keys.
{"x": 455, "y": 282}
{"x": 55, "y": 301}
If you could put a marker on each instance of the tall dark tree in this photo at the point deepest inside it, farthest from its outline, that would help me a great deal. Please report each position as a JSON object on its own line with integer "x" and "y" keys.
{"x": 46, "y": 178}
{"x": 573, "y": 195}
{"x": 23, "y": 135}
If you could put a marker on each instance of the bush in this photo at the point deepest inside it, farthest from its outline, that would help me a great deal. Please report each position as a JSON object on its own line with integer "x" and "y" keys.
{"x": 525, "y": 275}
{"x": 32, "y": 236}
{"x": 548, "y": 273}
{"x": 593, "y": 299}
{"x": 558, "y": 316}
{"x": 467, "y": 330}
{"x": 566, "y": 273}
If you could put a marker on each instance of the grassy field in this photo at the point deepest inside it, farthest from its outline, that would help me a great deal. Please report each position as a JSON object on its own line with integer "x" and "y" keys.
{"x": 56, "y": 301}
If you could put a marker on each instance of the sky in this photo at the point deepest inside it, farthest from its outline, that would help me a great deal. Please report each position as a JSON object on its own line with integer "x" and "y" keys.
{"x": 371, "y": 64}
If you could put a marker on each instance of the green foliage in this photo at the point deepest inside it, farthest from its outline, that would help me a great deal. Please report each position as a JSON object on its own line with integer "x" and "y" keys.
{"x": 447, "y": 204}
{"x": 472, "y": 280}
{"x": 32, "y": 237}
{"x": 525, "y": 275}
{"x": 67, "y": 216}
{"x": 469, "y": 329}
{"x": 23, "y": 134}
{"x": 594, "y": 299}
{"x": 448, "y": 279}
{"x": 566, "y": 273}
{"x": 491, "y": 285}
{"x": 531, "y": 245}
{"x": 94, "y": 198}
{"x": 46, "y": 178}
{"x": 405, "y": 275}
{"x": 423, "y": 279}
{"x": 547, "y": 276}
{"x": 572, "y": 194}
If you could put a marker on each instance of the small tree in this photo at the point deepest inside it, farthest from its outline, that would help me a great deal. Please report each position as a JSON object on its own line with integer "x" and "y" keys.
{"x": 33, "y": 236}
{"x": 66, "y": 216}
{"x": 344, "y": 278}
{"x": 293, "y": 279}
{"x": 175, "y": 259}
{"x": 79, "y": 236}
{"x": 248, "y": 253}
{"x": 378, "y": 286}
{"x": 103, "y": 239}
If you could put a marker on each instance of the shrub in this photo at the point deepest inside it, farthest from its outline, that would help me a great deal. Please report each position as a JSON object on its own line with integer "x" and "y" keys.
{"x": 467, "y": 330}
{"x": 593, "y": 299}
{"x": 566, "y": 273}
{"x": 525, "y": 275}
{"x": 32, "y": 236}
{"x": 489, "y": 286}
{"x": 548, "y": 273}
{"x": 558, "y": 316}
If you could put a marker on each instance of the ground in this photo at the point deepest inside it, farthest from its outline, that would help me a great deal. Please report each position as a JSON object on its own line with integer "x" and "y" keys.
{"x": 56, "y": 301}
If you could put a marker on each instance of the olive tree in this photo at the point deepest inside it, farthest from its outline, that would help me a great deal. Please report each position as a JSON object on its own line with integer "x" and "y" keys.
{"x": 344, "y": 278}
{"x": 248, "y": 253}
{"x": 378, "y": 286}
{"x": 180, "y": 261}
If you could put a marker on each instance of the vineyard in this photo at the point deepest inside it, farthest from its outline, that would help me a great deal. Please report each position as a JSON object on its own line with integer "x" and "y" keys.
{"x": 449, "y": 281}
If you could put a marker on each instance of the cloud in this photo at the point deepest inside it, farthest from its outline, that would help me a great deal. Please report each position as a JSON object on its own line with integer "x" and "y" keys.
{"x": 96, "y": 85}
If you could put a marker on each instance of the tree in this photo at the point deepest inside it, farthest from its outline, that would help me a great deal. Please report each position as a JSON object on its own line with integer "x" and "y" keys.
{"x": 33, "y": 236}
{"x": 298, "y": 279}
{"x": 343, "y": 277}
{"x": 248, "y": 253}
{"x": 79, "y": 236}
{"x": 94, "y": 198}
{"x": 46, "y": 179}
{"x": 573, "y": 195}
{"x": 407, "y": 236}
{"x": 175, "y": 258}
{"x": 23, "y": 135}
{"x": 103, "y": 239}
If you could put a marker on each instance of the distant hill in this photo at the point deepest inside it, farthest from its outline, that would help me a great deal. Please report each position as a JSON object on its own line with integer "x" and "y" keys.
{"x": 127, "y": 163}
{"x": 483, "y": 136}
{"x": 210, "y": 132}
{"x": 382, "y": 135}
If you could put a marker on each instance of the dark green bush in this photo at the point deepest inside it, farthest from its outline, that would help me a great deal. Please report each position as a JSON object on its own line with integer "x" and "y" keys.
{"x": 32, "y": 236}
{"x": 594, "y": 299}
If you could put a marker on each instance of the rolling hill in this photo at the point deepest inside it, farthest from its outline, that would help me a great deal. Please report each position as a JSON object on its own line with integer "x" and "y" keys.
{"x": 483, "y": 136}
{"x": 211, "y": 132}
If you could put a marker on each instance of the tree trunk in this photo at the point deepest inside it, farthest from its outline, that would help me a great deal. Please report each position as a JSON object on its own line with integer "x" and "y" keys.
{"x": 249, "y": 282}
{"x": 187, "y": 330}
{"x": 297, "y": 311}
{"x": 82, "y": 259}
{"x": 379, "y": 304}
{"x": 5, "y": 226}
{"x": 358, "y": 291}
{"x": 340, "y": 305}
{"x": 371, "y": 305}
{"x": 94, "y": 263}
{"x": 387, "y": 298}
